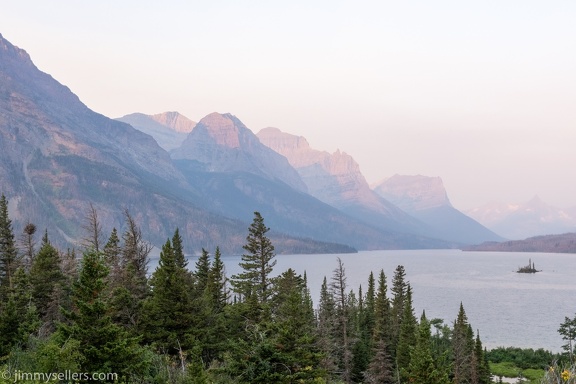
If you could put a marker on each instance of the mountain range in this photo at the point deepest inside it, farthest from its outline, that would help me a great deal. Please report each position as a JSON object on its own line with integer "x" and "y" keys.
{"x": 520, "y": 221}
{"x": 205, "y": 178}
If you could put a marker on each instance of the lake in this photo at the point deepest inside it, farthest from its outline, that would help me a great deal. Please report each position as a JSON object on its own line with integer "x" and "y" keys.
{"x": 507, "y": 308}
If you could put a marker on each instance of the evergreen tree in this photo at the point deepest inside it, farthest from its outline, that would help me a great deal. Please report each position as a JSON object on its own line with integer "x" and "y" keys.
{"x": 47, "y": 281}
{"x": 212, "y": 331}
{"x": 422, "y": 368}
{"x": 327, "y": 329}
{"x": 484, "y": 375}
{"x": 407, "y": 337}
{"x": 9, "y": 260}
{"x": 382, "y": 322}
{"x": 18, "y": 317}
{"x": 399, "y": 290}
{"x": 338, "y": 287}
{"x": 178, "y": 248}
{"x": 363, "y": 328}
{"x": 257, "y": 264}
{"x": 217, "y": 282}
{"x": 102, "y": 345}
{"x": 167, "y": 312}
{"x": 380, "y": 369}
{"x": 92, "y": 229}
{"x": 461, "y": 349}
{"x": 112, "y": 251}
{"x": 28, "y": 243}
{"x": 130, "y": 286}
{"x": 202, "y": 271}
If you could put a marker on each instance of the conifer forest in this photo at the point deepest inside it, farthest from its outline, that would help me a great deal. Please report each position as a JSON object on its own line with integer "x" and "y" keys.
{"x": 98, "y": 309}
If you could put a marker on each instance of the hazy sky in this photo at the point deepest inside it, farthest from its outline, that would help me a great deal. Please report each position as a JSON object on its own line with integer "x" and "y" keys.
{"x": 480, "y": 93}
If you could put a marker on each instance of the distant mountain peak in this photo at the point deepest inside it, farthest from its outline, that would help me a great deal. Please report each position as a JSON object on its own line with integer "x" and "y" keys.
{"x": 225, "y": 129}
{"x": 224, "y": 144}
{"x": 413, "y": 193}
{"x": 174, "y": 121}
{"x": 14, "y": 52}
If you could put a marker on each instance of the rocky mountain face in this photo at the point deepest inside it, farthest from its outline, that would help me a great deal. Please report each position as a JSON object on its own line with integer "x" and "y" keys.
{"x": 520, "y": 221}
{"x": 426, "y": 199}
{"x": 169, "y": 129}
{"x": 58, "y": 157}
{"x": 414, "y": 193}
{"x": 336, "y": 180}
{"x": 222, "y": 143}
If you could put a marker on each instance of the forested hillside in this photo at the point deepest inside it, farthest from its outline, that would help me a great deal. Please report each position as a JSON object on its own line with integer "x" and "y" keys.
{"x": 193, "y": 324}
{"x": 565, "y": 243}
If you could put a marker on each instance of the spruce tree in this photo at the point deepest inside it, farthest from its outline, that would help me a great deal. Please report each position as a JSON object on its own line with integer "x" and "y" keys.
{"x": 202, "y": 271}
{"x": 338, "y": 287}
{"x": 103, "y": 345}
{"x": 407, "y": 338}
{"x": 47, "y": 280}
{"x": 28, "y": 243}
{"x": 327, "y": 329}
{"x": 399, "y": 290}
{"x": 9, "y": 260}
{"x": 257, "y": 264}
{"x": 112, "y": 251}
{"x": 422, "y": 368}
{"x": 382, "y": 321}
{"x": 461, "y": 349}
{"x": 167, "y": 312}
{"x": 130, "y": 286}
{"x": 380, "y": 369}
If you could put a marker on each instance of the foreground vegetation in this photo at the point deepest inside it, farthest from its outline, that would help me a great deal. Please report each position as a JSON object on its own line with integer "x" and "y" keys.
{"x": 193, "y": 324}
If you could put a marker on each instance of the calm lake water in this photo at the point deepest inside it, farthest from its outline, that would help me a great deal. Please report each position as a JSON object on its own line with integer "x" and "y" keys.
{"x": 507, "y": 308}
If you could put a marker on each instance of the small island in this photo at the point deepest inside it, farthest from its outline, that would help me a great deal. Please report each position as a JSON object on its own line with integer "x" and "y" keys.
{"x": 530, "y": 268}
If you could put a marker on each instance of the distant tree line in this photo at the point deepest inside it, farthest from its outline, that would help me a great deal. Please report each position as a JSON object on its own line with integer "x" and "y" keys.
{"x": 564, "y": 243}
{"x": 103, "y": 312}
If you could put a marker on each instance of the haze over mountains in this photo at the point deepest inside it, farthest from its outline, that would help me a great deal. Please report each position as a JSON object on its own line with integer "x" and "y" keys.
{"x": 520, "y": 221}
{"x": 205, "y": 178}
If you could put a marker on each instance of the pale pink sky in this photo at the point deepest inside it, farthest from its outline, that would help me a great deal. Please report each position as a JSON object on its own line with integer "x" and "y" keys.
{"x": 480, "y": 93}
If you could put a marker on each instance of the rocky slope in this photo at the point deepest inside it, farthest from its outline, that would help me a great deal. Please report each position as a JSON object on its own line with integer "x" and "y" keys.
{"x": 222, "y": 143}
{"x": 169, "y": 129}
{"x": 58, "y": 157}
{"x": 426, "y": 199}
{"x": 336, "y": 180}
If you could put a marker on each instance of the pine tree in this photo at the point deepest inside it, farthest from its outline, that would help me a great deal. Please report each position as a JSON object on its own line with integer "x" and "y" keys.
{"x": 112, "y": 252}
{"x": 210, "y": 325}
{"x": 130, "y": 286}
{"x": 216, "y": 286}
{"x": 327, "y": 329}
{"x": 461, "y": 349}
{"x": 257, "y": 264}
{"x": 399, "y": 290}
{"x": 484, "y": 375}
{"x": 47, "y": 281}
{"x": 202, "y": 271}
{"x": 422, "y": 368}
{"x": 9, "y": 260}
{"x": 382, "y": 321}
{"x": 103, "y": 345}
{"x": 179, "y": 250}
{"x": 28, "y": 243}
{"x": 92, "y": 229}
{"x": 338, "y": 287}
{"x": 18, "y": 317}
{"x": 407, "y": 337}
{"x": 380, "y": 370}
{"x": 167, "y": 312}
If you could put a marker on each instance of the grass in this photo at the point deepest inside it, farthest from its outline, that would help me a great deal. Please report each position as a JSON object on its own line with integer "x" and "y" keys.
{"x": 507, "y": 369}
